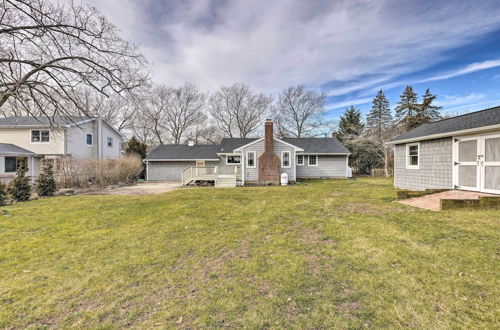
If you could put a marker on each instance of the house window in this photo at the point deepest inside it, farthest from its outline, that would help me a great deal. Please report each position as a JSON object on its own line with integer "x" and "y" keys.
{"x": 89, "y": 139}
{"x": 285, "y": 159}
{"x": 110, "y": 142}
{"x": 300, "y": 160}
{"x": 412, "y": 155}
{"x": 38, "y": 136}
{"x": 233, "y": 160}
{"x": 10, "y": 164}
{"x": 313, "y": 160}
{"x": 251, "y": 159}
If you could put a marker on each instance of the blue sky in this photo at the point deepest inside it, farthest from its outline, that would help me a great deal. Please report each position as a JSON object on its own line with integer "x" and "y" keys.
{"x": 347, "y": 48}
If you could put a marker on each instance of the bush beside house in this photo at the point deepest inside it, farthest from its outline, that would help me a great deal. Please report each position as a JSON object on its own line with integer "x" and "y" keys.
{"x": 20, "y": 187}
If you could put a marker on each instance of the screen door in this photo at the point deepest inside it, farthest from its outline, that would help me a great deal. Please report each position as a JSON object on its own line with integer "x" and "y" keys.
{"x": 467, "y": 162}
{"x": 491, "y": 164}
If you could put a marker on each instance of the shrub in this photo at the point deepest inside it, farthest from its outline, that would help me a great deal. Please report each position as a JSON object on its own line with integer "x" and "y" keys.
{"x": 3, "y": 194}
{"x": 20, "y": 187}
{"x": 82, "y": 173}
{"x": 46, "y": 184}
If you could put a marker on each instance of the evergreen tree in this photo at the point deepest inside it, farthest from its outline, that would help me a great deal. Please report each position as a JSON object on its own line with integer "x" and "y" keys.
{"x": 46, "y": 184}
{"x": 407, "y": 108}
{"x": 427, "y": 111}
{"x": 136, "y": 147}
{"x": 350, "y": 124}
{"x": 20, "y": 187}
{"x": 3, "y": 194}
{"x": 379, "y": 120}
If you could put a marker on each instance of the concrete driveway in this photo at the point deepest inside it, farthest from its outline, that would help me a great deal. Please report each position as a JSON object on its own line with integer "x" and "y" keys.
{"x": 144, "y": 188}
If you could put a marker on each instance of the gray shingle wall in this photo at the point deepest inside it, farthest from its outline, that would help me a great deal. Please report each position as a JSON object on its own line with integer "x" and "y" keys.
{"x": 159, "y": 171}
{"x": 436, "y": 167}
{"x": 328, "y": 166}
{"x": 252, "y": 174}
{"x": 170, "y": 171}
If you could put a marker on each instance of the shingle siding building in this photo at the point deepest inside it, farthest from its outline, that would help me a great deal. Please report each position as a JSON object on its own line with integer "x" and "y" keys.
{"x": 246, "y": 158}
{"x": 461, "y": 152}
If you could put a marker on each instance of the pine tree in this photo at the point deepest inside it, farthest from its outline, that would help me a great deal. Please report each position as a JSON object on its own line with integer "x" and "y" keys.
{"x": 407, "y": 108}
{"x": 20, "y": 187}
{"x": 379, "y": 119}
{"x": 46, "y": 184}
{"x": 3, "y": 194}
{"x": 350, "y": 124}
{"x": 427, "y": 111}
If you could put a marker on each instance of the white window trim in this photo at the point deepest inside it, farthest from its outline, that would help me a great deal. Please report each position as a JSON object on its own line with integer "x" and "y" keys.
{"x": 227, "y": 156}
{"x": 89, "y": 145}
{"x": 40, "y": 130}
{"x": 408, "y": 166}
{"x": 254, "y": 159}
{"x": 309, "y": 160}
{"x": 289, "y": 159}
{"x": 107, "y": 139}
{"x": 5, "y": 167}
{"x": 303, "y": 160}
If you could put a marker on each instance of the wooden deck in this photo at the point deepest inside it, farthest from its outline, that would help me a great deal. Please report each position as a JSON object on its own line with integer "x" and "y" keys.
{"x": 210, "y": 173}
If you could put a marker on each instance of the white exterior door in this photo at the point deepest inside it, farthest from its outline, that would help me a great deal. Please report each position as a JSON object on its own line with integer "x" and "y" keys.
{"x": 490, "y": 163}
{"x": 477, "y": 163}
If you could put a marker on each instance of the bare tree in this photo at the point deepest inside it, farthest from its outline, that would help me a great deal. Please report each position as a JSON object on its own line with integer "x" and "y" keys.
{"x": 49, "y": 50}
{"x": 184, "y": 111}
{"x": 172, "y": 112}
{"x": 238, "y": 111}
{"x": 299, "y": 112}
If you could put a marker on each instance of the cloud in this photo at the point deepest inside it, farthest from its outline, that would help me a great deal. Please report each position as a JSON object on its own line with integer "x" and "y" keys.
{"x": 347, "y": 103}
{"x": 274, "y": 44}
{"x": 468, "y": 69}
{"x": 454, "y": 100}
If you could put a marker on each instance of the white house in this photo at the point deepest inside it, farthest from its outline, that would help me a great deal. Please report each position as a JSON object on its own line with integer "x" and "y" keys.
{"x": 78, "y": 137}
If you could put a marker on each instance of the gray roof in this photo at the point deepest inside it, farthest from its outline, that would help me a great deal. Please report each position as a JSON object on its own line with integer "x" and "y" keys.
{"x": 318, "y": 145}
{"x": 40, "y": 121}
{"x": 199, "y": 152}
{"x": 229, "y": 144}
{"x": 471, "y": 120}
{"x": 178, "y": 152}
{"x": 7, "y": 149}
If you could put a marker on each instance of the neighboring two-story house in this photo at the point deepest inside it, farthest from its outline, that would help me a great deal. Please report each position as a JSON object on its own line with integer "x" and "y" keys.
{"x": 35, "y": 138}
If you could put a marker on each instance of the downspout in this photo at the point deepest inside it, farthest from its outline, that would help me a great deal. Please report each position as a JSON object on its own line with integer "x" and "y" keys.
{"x": 99, "y": 138}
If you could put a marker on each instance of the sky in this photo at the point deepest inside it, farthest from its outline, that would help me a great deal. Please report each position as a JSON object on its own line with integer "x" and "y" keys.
{"x": 348, "y": 49}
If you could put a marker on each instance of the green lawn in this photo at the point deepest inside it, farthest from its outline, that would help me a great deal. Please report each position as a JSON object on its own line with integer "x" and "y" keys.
{"x": 331, "y": 253}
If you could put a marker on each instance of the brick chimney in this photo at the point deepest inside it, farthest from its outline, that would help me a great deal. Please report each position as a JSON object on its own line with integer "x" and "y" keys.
{"x": 269, "y": 162}
{"x": 334, "y": 135}
{"x": 268, "y": 136}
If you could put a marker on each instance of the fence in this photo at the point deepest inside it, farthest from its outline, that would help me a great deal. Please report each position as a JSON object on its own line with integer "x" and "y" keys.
{"x": 379, "y": 172}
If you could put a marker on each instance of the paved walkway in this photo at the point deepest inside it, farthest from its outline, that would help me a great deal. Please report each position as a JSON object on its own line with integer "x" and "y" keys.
{"x": 433, "y": 202}
{"x": 145, "y": 188}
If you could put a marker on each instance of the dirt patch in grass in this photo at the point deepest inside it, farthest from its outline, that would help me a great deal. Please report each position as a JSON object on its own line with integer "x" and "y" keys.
{"x": 336, "y": 193}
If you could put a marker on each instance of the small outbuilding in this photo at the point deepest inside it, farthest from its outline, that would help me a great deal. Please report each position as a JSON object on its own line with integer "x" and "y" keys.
{"x": 461, "y": 152}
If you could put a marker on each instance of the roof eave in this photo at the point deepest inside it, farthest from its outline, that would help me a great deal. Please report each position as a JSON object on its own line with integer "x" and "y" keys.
{"x": 447, "y": 134}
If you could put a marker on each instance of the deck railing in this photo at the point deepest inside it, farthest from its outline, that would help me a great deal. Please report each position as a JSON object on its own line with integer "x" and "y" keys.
{"x": 199, "y": 173}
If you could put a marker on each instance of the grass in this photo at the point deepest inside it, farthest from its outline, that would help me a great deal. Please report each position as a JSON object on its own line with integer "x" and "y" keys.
{"x": 331, "y": 253}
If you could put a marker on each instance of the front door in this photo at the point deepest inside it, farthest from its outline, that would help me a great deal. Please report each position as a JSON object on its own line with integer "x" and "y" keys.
{"x": 477, "y": 163}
